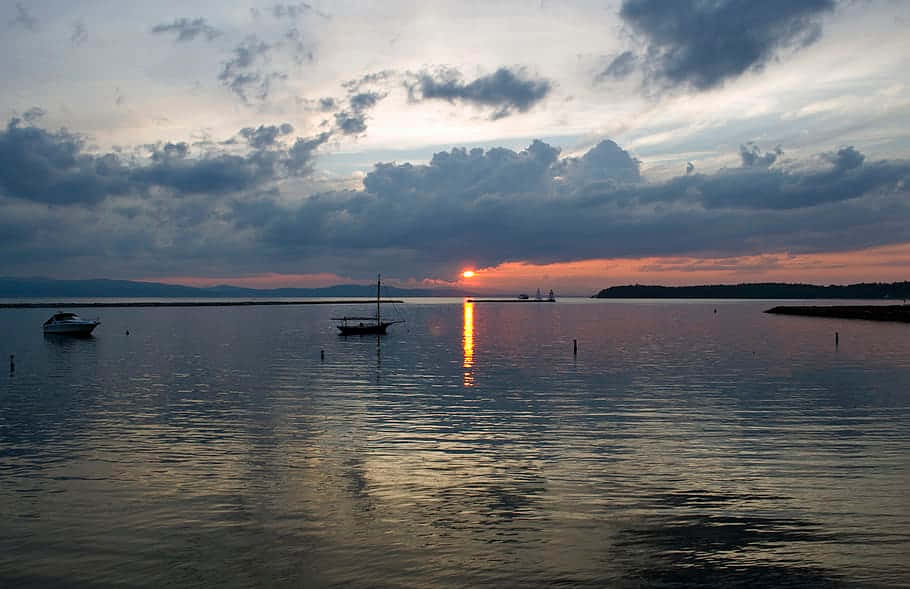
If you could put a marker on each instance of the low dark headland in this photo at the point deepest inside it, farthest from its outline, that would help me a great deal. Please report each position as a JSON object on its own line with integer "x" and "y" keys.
{"x": 178, "y": 304}
{"x": 870, "y": 312}
{"x": 763, "y": 290}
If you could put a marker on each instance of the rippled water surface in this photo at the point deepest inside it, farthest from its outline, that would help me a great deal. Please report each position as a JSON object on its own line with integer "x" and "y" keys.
{"x": 469, "y": 447}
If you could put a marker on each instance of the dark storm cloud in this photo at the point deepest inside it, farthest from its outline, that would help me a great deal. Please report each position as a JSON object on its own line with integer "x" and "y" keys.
{"x": 365, "y": 100}
{"x": 846, "y": 158}
{"x": 265, "y": 135}
{"x": 188, "y": 30}
{"x": 704, "y": 43}
{"x": 300, "y": 156}
{"x": 752, "y": 156}
{"x": 505, "y": 90}
{"x": 352, "y": 121}
{"x": 496, "y": 205}
{"x": 55, "y": 167}
{"x": 243, "y": 76}
{"x": 760, "y": 188}
{"x": 499, "y": 205}
{"x": 24, "y": 18}
{"x": 51, "y": 167}
{"x": 171, "y": 169}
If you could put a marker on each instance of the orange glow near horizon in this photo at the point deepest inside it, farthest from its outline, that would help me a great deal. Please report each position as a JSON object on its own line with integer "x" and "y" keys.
{"x": 586, "y": 277}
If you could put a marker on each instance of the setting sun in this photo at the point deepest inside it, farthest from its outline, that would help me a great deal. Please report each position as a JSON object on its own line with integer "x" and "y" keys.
{"x": 468, "y": 273}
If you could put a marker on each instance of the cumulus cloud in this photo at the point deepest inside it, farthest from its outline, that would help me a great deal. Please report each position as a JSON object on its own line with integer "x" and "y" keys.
{"x": 494, "y": 205}
{"x": 703, "y": 44}
{"x": 352, "y": 121}
{"x": 265, "y": 135}
{"x": 752, "y": 156}
{"x": 605, "y": 161}
{"x": 846, "y": 158}
{"x": 499, "y": 205}
{"x": 188, "y": 30}
{"x": 56, "y": 168}
{"x": 505, "y": 91}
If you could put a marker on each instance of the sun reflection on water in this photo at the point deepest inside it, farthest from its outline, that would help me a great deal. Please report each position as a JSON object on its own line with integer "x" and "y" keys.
{"x": 468, "y": 344}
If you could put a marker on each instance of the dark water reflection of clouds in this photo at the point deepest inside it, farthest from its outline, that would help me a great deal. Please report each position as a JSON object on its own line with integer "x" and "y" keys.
{"x": 679, "y": 447}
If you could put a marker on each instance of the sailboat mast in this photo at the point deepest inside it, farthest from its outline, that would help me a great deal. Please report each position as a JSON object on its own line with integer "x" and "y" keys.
{"x": 378, "y": 282}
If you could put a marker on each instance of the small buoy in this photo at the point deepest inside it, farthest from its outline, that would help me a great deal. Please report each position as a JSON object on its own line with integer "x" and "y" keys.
{"x": 715, "y": 311}
{"x": 127, "y": 332}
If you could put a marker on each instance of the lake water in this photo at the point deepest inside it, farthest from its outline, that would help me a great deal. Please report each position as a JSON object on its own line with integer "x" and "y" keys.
{"x": 469, "y": 447}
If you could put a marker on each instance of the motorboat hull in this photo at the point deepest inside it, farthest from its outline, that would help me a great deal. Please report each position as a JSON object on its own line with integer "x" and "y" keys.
{"x": 81, "y": 328}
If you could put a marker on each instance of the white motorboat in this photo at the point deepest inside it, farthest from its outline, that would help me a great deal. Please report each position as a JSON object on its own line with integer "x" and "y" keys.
{"x": 70, "y": 323}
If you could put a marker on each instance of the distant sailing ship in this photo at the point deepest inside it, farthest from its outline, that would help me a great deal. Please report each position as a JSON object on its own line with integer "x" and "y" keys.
{"x": 365, "y": 325}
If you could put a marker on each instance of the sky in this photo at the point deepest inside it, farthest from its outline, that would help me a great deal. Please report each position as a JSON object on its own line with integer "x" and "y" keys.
{"x": 564, "y": 145}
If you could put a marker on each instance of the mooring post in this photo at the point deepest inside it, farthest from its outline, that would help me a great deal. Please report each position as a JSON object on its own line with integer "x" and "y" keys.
{"x": 574, "y": 347}
{"x": 836, "y": 339}
{"x": 321, "y": 355}
{"x": 12, "y": 363}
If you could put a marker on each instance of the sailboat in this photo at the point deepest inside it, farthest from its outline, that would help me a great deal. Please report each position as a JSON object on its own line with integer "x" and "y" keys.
{"x": 365, "y": 325}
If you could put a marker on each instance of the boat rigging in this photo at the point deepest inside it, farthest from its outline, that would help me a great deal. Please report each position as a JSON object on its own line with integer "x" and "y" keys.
{"x": 365, "y": 325}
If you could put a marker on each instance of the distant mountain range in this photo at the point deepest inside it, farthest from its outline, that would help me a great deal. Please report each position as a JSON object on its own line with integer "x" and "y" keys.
{"x": 43, "y": 288}
{"x": 762, "y": 290}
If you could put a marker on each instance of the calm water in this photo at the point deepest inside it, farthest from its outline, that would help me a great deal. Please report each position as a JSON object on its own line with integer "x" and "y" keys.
{"x": 213, "y": 447}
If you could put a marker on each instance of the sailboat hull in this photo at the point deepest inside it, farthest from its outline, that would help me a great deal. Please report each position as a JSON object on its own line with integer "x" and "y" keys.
{"x": 374, "y": 328}
{"x": 374, "y": 325}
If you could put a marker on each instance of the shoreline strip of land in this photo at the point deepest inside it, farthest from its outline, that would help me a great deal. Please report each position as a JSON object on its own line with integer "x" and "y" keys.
{"x": 96, "y": 304}
{"x": 900, "y": 313}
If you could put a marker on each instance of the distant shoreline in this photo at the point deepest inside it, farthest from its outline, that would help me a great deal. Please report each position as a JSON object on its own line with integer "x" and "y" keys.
{"x": 900, "y": 313}
{"x": 70, "y": 305}
{"x": 761, "y": 290}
